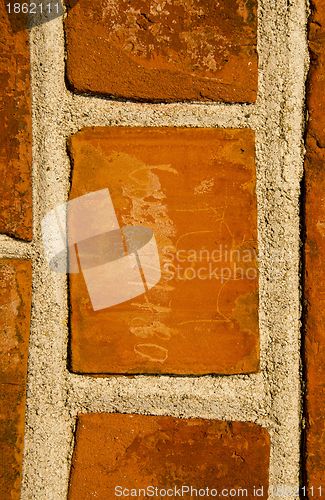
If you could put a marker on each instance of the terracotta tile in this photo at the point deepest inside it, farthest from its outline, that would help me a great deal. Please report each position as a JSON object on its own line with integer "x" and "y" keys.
{"x": 195, "y": 189}
{"x": 15, "y": 131}
{"x": 133, "y": 451}
{"x": 315, "y": 320}
{"x": 164, "y": 51}
{"x": 314, "y": 256}
{"x": 15, "y": 303}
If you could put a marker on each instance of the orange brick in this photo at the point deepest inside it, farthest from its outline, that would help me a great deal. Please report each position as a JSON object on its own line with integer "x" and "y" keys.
{"x": 15, "y": 299}
{"x": 195, "y": 189}
{"x": 164, "y": 51}
{"x": 315, "y": 255}
{"x": 15, "y": 131}
{"x": 134, "y": 451}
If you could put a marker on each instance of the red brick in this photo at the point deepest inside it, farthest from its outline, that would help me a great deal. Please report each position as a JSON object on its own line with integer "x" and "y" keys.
{"x": 195, "y": 189}
{"x": 15, "y": 303}
{"x": 15, "y": 131}
{"x": 136, "y": 451}
{"x": 164, "y": 51}
{"x": 315, "y": 254}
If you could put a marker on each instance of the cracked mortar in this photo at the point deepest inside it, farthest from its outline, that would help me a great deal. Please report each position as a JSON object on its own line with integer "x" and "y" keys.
{"x": 270, "y": 398}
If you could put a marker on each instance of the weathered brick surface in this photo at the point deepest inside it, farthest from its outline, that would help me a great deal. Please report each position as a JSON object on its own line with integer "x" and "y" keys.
{"x": 15, "y": 131}
{"x": 315, "y": 252}
{"x": 15, "y": 302}
{"x": 164, "y": 51}
{"x": 196, "y": 190}
{"x": 136, "y": 451}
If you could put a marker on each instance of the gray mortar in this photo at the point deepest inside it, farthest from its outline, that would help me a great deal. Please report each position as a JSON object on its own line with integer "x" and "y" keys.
{"x": 272, "y": 397}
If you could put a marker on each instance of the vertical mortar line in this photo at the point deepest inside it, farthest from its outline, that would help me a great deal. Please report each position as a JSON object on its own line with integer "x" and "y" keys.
{"x": 48, "y": 424}
{"x": 279, "y": 160}
{"x": 296, "y": 119}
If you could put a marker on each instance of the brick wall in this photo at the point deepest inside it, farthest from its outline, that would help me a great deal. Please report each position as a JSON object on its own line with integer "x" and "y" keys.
{"x": 187, "y": 134}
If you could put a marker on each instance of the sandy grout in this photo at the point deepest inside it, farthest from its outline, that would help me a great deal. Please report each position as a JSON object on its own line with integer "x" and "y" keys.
{"x": 12, "y": 248}
{"x": 279, "y": 168}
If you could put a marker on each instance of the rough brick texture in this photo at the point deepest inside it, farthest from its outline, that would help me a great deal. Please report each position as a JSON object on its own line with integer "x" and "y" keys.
{"x": 136, "y": 451}
{"x": 164, "y": 51}
{"x": 315, "y": 252}
{"x": 15, "y": 131}
{"x": 15, "y": 303}
{"x": 196, "y": 190}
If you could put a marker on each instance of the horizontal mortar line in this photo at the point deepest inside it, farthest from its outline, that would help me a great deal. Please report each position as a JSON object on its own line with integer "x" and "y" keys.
{"x": 87, "y": 111}
{"x": 211, "y": 380}
{"x": 102, "y": 394}
{"x": 101, "y": 102}
{"x": 12, "y": 248}
{"x": 224, "y": 411}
